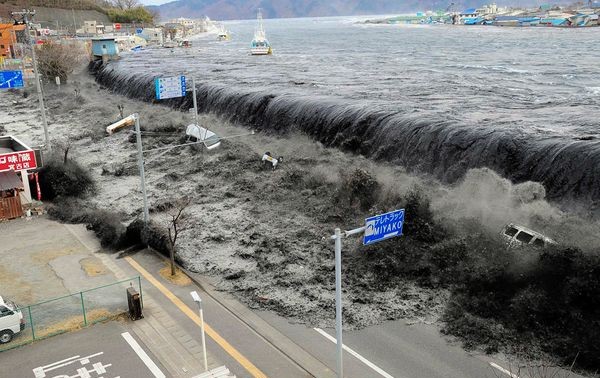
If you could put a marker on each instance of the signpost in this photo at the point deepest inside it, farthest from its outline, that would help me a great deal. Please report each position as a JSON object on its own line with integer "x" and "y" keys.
{"x": 18, "y": 161}
{"x": 11, "y": 79}
{"x": 384, "y": 226}
{"x": 376, "y": 229}
{"x": 169, "y": 87}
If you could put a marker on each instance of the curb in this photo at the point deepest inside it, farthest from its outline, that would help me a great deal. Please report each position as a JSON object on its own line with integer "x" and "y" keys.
{"x": 295, "y": 353}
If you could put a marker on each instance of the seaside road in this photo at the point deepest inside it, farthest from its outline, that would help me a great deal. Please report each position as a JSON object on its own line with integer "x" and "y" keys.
{"x": 259, "y": 358}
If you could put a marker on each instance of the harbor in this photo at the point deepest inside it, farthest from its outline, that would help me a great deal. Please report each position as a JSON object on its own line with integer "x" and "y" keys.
{"x": 492, "y": 15}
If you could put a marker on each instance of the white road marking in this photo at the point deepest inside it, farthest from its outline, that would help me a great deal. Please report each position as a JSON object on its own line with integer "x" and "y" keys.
{"x": 143, "y": 356}
{"x": 40, "y": 372}
{"x": 355, "y": 354}
{"x": 511, "y": 375}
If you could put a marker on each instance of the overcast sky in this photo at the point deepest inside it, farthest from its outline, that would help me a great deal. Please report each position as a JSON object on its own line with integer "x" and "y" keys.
{"x": 154, "y": 2}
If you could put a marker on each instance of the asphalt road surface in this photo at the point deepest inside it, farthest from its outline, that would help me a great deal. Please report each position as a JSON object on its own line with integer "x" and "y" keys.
{"x": 104, "y": 350}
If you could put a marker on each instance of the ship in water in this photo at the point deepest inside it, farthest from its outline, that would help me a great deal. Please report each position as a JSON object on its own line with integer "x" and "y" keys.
{"x": 260, "y": 45}
{"x": 223, "y": 34}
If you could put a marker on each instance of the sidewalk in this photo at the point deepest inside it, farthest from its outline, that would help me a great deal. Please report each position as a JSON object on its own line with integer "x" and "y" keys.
{"x": 172, "y": 345}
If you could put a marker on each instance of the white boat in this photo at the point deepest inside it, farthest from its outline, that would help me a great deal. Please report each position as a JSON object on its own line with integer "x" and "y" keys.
{"x": 169, "y": 45}
{"x": 260, "y": 45}
{"x": 223, "y": 34}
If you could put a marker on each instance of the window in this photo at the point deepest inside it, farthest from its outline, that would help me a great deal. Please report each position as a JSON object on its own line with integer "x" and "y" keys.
{"x": 510, "y": 231}
{"x": 2, "y": 47}
{"x": 5, "y": 311}
{"x": 524, "y": 237}
{"x": 538, "y": 243}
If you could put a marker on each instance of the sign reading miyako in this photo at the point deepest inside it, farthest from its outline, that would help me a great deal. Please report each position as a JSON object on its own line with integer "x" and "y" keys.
{"x": 17, "y": 161}
{"x": 384, "y": 226}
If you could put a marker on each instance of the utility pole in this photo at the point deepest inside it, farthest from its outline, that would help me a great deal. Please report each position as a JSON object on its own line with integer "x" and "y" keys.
{"x": 138, "y": 135}
{"x": 25, "y": 16}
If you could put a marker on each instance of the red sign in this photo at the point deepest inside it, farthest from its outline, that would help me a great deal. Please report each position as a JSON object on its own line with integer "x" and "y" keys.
{"x": 117, "y": 26}
{"x": 17, "y": 161}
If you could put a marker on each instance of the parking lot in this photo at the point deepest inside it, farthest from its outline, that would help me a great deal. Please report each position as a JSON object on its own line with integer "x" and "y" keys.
{"x": 107, "y": 350}
{"x": 50, "y": 271}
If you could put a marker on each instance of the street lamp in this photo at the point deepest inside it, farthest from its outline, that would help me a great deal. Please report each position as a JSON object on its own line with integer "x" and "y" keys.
{"x": 198, "y": 301}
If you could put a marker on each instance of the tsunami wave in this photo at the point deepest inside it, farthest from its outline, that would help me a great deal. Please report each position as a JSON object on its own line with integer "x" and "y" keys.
{"x": 569, "y": 168}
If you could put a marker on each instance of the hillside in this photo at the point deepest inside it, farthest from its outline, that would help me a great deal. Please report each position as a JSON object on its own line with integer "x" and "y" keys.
{"x": 244, "y": 9}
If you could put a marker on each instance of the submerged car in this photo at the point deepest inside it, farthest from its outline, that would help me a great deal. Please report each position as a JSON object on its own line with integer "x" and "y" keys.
{"x": 517, "y": 235}
{"x": 11, "y": 320}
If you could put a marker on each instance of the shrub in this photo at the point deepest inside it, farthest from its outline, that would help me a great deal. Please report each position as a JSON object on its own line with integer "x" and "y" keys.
{"x": 357, "y": 190}
{"x": 106, "y": 225}
{"x": 55, "y": 59}
{"x": 60, "y": 179}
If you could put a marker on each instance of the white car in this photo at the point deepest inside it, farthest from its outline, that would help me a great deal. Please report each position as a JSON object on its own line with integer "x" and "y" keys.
{"x": 11, "y": 320}
{"x": 518, "y": 235}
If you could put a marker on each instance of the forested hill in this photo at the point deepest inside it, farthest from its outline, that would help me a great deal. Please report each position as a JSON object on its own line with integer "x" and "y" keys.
{"x": 244, "y": 9}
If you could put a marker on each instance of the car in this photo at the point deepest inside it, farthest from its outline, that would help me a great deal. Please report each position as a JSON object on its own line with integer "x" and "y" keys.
{"x": 11, "y": 320}
{"x": 517, "y": 235}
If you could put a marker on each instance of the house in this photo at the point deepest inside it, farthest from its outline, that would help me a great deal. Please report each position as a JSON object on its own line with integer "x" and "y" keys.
{"x": 104, "y": 48}
{"x": 153, "y": 35}
{"x": 8, "y": 39}
{"x": 16, "y": 159}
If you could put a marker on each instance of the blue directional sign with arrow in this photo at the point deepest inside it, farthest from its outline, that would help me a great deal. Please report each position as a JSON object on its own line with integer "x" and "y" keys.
{"x": 384, "y": 226}
{"x": 11, "y": 79}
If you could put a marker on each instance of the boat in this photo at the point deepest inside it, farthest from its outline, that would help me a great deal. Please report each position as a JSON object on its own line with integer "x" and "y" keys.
{"x": 169, "y": 45}
{"x": 223, "y": 34}
{"x": 185, "y": 43}
{"x": 260, "y": 45}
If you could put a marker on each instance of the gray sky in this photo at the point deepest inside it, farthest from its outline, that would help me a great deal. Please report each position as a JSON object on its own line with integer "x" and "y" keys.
{"x": 154, "y": 2}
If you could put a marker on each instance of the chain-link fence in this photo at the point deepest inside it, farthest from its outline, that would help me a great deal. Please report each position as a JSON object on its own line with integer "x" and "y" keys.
{"x": 68, "y": 313}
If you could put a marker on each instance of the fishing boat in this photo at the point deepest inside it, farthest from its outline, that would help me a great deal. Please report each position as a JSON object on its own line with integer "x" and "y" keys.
{"x": 260, "y": 45}
{"x": 223, "y": 34}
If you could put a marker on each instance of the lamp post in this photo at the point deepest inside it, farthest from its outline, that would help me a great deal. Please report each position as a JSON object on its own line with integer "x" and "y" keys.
{"x": 198, "y": 301}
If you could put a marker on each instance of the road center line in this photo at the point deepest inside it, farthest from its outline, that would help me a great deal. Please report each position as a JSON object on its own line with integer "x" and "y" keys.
{"x": 142, "y": 354}
{"x": 249, "y": 366}
{"x": 355, "y": 354}
{"x": 511, "y": 375}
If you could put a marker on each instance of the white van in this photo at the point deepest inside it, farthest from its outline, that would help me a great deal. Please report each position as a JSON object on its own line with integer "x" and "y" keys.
{"x": 11, "y": 320}
{"x": 518, "y": 235}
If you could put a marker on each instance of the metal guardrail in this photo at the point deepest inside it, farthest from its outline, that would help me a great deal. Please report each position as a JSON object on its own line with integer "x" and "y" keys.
{"x": 74, "y": 311}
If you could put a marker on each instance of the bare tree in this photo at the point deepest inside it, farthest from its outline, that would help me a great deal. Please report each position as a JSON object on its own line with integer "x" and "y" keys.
{"x": 177, "y": 224}
{"x": 125, "y": 4}
{"x": 60, "y": 60}
{"x": 62, "y": 145}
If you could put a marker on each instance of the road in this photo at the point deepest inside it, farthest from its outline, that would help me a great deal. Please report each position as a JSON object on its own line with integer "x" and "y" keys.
{"x": 397, "y": 349}
{"x": 105, "y": 350}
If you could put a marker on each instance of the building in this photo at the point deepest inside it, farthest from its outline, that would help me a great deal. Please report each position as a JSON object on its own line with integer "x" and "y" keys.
{"x": 93, "y": 28}
{"x": 16, "y": 159}
{"x": 8, "y": 39}
{"x": 188, "y": 23}
{"x": 104, "y": 48}
{"x": 153, "y": 36}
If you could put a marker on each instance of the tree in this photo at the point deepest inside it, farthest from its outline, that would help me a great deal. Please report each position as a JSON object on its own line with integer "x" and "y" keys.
{"x": 177, "y": 224}
{"x": 125, "y": 4}
{"x": 55, "y": 59}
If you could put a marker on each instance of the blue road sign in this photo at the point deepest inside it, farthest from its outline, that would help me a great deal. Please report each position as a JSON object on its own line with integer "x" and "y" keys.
{"x": 139, "y": 31}
{"x": 11, "y": 79}
{"x": 384, "y": 226}
{"x": 169, "y": 87}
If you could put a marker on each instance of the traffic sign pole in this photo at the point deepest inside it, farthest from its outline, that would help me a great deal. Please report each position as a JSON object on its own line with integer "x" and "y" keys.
{"x": 338, "y": 301}
{"x": 195, "y": 102}
{"x": 376, "y": 229}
